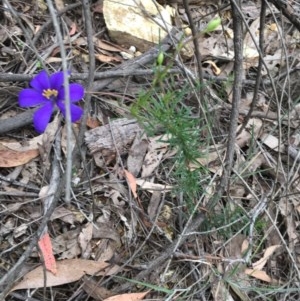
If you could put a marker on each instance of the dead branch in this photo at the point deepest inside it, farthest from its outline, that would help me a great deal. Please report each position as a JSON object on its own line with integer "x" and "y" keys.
{"x": 237, "y": 89}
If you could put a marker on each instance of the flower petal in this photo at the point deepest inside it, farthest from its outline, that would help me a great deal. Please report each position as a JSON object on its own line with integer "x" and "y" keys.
{"x": 42, "y": 116}
{"x": 57, "y": 80}
{"x": 76, "y": 111}
{"x": 76, "y": 93}
{"x": 41, "y": 81}
{"x": 30, "y": 98}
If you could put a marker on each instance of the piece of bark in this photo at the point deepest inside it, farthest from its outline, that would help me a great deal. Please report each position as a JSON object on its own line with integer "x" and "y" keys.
{"x": 111, "y": 139}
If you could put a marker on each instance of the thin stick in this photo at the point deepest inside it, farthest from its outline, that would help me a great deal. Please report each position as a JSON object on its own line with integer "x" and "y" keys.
{"x": 237, "y": 89}
{"x": 67, "y": 101}
{"x": 197, "y": 51}
{"x": 90, "y": 80}
{"x": 262, "y": 24}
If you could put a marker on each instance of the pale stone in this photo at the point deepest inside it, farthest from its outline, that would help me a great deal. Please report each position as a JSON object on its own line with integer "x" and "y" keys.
{"x": 129, "y": 22}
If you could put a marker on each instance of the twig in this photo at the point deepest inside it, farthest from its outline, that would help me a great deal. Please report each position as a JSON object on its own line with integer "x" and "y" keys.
{"x": 67, "y": 101}
{"x": 17, "y": 183}
{"x": 294, "y": 153}
{"x": 16, "y": 122}
{"x": 79, "y": 151}
{"x": 113, "y": 73}
{"x": 19, "y": 194}
{"x": 260, "y": 64}
{"x": 254, "y": 214}
{"x": 237, "y": 89}
{"x": 197, "y": 50}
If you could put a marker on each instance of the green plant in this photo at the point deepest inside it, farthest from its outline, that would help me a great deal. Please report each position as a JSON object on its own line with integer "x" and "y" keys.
{"x": 162, "y": 110}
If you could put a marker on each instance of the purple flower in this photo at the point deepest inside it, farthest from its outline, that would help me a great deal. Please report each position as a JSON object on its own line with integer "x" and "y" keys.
{"x": 48, "y": 92}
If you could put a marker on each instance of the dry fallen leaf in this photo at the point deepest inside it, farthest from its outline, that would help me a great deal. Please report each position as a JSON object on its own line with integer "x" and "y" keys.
{"x": 71, "y": 141}
{"x": 215, "y": 69}
{"x": 154, "y": 204}
{"x": 10, "y": 158}
{"x": 131, "y": 182}
{"x": 258, "y": 265}
{"x": 149, "y": 186}
{"x": 45, "y": 246}
{"x": 92, "y": 122}
{"x": 272, "y": 142}
{"x": 63, "y": 214}
{"x": 73, "y": 29}
{"x": 68, "y": 270}
{"x": 93, "y": 289}
{"x": 105, "y": 45}
{"x": 157, "y": 147}
{"x": 136, "y": 154}
{"x": 84, "y": 240}
{"x": 107, "y": 59}
{"x": 261, "y": 275}
{"x": 31, "y": 144}
{"x": 127, "y": 297}
{"x": 221, "y": 292}
{"x": 66, "y": 245}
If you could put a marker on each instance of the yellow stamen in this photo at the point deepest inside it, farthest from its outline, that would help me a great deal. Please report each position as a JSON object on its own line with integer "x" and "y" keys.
{"x": 49, "y": 93}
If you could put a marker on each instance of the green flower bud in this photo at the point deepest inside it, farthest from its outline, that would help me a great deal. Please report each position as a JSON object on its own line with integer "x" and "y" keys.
{"x": 160, "y": 58}
{"x": 212, "y": 25}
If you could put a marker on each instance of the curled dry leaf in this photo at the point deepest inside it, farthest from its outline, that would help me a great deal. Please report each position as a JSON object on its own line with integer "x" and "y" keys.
{"x": 215, "y": 69}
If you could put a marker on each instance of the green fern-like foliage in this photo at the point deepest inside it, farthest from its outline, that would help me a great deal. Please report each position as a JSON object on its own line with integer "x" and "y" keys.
{"x": 162, "y": 110}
